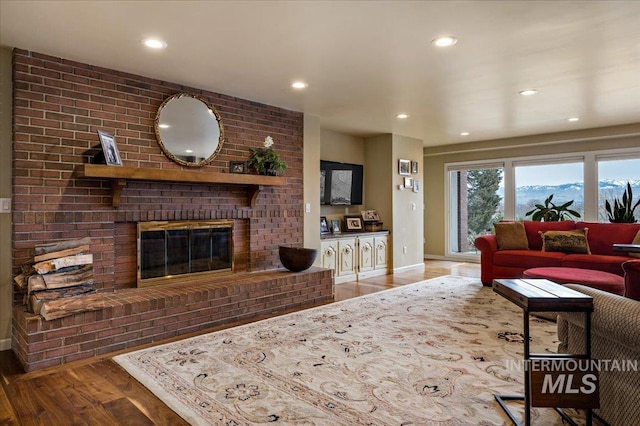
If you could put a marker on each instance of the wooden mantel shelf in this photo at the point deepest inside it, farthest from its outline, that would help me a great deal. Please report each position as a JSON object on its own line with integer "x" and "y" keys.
{"x": 120, "y": 175}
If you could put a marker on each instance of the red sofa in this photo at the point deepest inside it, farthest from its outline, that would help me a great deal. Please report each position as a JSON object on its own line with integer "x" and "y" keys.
{"x": 496, "y": 263}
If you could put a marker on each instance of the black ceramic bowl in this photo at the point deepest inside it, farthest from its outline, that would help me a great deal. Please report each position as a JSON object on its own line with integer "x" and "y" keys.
{"x": 297, "y": 259}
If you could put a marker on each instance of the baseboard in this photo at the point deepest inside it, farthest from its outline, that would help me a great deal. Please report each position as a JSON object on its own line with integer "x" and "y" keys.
{"x": 5, "y": 344}
{"x": 406, "y": 268}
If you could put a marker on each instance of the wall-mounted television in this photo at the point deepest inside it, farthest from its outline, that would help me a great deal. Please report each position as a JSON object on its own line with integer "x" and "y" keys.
{"x": 340, "y": 183}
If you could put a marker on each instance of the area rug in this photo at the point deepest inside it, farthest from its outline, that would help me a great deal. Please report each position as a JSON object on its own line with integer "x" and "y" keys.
{"x": 429, "y": 353}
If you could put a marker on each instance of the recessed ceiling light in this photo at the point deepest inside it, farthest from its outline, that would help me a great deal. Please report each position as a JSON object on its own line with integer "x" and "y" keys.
{"x": 573, "y": 119}
{"x": 154, "y": 43}
{"x": 163, "y": 126}
{"x": 528, "y": 92}
{"x": 464, "y": 134}
{"x": 402, "y": 116}
{"x": 188, "y": 151}
{"x": 299, "y": 85}
{"x": 444, "y": 41}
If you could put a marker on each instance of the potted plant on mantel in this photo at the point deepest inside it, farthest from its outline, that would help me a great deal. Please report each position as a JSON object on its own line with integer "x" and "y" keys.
{"x": 623, "y": 209}
{"x": 265, "y": 160}
{"x": 549, "y": 212}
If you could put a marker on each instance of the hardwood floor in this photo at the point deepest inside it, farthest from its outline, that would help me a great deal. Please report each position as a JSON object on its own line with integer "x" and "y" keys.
{"x": 98, "y": 392}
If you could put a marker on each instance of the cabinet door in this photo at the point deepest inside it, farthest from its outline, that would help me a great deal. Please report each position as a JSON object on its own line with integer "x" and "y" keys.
{"x": 346, "y": 257}
{"x": 365, "y": 254}
{"x": 329, "y": 253}
{"x": 380, "y": 257}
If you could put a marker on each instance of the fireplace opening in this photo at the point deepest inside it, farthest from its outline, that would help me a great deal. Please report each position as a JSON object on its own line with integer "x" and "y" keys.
{"x": 181, "y": 249}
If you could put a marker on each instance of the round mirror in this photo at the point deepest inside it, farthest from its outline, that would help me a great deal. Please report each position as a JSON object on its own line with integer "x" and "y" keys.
{"x": 189, "y": 130}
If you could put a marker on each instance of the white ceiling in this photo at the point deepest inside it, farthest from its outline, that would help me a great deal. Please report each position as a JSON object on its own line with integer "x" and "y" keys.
{"x": 366, "y": 61}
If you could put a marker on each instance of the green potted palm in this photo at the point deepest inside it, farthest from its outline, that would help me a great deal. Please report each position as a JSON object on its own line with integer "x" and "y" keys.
{"x": 623, "y": 209}
{"x": 550, "y": 212}
{"x": 265, "y": 160}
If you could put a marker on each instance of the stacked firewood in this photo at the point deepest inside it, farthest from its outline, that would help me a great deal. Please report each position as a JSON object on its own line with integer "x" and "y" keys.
{"x": 59, "y": 273}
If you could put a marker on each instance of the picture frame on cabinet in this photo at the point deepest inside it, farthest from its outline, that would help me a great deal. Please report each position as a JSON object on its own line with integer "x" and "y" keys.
{"x": 109, "y": 149}
{"x": 335, "y": 226}
{"x": 414, "y": 167}
{"x": 324, "y": 226}
{"x": 404, "y": 167}
{"x": 370, "y": 216}
{"x": 353, "y": 223}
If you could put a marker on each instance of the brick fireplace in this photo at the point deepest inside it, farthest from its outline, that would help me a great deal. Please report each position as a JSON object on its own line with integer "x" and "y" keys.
{"x": 58, "y": 107}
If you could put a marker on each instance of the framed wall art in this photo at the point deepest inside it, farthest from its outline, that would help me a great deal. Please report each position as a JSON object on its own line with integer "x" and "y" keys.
{"x": 404, "y": 167}
{"x": 414, "y": 167}
{"x": 109, "y": 148}
{"x": 416, "y": 185}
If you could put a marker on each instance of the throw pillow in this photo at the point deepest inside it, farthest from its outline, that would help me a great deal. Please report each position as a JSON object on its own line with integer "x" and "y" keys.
{"x": 566, "y": 241}
{"x": 511, "y": 236}
{"x": 636, "y": 240}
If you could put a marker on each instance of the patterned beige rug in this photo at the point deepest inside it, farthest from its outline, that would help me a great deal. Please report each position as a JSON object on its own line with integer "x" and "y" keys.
{"x": 430, "y": 353}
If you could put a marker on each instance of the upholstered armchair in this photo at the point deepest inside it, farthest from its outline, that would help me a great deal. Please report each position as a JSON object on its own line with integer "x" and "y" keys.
{"x": 632, "y": 279}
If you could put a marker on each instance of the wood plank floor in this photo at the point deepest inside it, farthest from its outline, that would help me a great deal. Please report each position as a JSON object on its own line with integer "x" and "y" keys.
{"x": 98, "y": 392}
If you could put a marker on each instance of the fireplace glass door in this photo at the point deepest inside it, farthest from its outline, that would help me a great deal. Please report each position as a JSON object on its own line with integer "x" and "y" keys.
{"x": 170, "y": 249}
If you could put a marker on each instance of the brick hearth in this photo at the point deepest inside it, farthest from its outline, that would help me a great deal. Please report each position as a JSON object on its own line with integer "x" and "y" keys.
{"x": 132, "y": 318}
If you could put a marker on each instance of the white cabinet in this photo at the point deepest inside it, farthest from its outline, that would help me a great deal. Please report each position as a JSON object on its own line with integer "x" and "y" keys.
{"x": 355, "y": 257}
{"x": 347, "y": 259}
{"x": 380, "y": 250}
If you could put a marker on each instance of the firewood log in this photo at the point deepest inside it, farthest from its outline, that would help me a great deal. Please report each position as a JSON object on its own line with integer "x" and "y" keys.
{"x": 61, "y": 253}
{"x": 36, "y": 283}
{"x": 38, "y": 298}
{"x": 61, "y": 245}
{"x": 69, "y": 278}
{"x": 52, "y": 309}
{"x": 63, "y": 262}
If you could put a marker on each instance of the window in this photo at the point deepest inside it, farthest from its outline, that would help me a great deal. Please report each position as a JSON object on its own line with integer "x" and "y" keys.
{"x": 480, "y": 194}
{"x": 613, "y": 175}
{"x": 536, "y": 182}
{"x": 476, "y": 202}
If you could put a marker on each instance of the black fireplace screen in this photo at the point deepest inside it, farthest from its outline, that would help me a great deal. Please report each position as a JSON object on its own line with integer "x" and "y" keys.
{"x": 167, "y": 249}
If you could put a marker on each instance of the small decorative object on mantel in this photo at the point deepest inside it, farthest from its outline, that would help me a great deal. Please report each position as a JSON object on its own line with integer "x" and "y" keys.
{"x": 266, "y": 160}
{"x": 237, "y": 166}
{"x": 109, "y": 149}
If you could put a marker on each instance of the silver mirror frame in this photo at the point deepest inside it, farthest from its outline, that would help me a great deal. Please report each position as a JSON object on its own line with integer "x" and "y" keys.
{"x": 173, "y": 156}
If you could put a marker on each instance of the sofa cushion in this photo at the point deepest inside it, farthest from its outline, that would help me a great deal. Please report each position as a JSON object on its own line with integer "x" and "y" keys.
{"x": 636, "y": 240}
{"x": 533, "y": 228}
{"x": 612, "y": 264}
{"x": 527, "y": 258}
{"x": 511, "y": 236}
{"x": 602, "y": 236}
{"x": 574, "y": 241}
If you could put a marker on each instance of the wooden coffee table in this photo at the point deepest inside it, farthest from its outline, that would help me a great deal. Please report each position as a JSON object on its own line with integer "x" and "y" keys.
{"x": 540, "y": 295}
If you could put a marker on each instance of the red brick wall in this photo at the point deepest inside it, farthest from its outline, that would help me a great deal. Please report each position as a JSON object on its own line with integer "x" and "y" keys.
{"x": 58, "y": 107}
